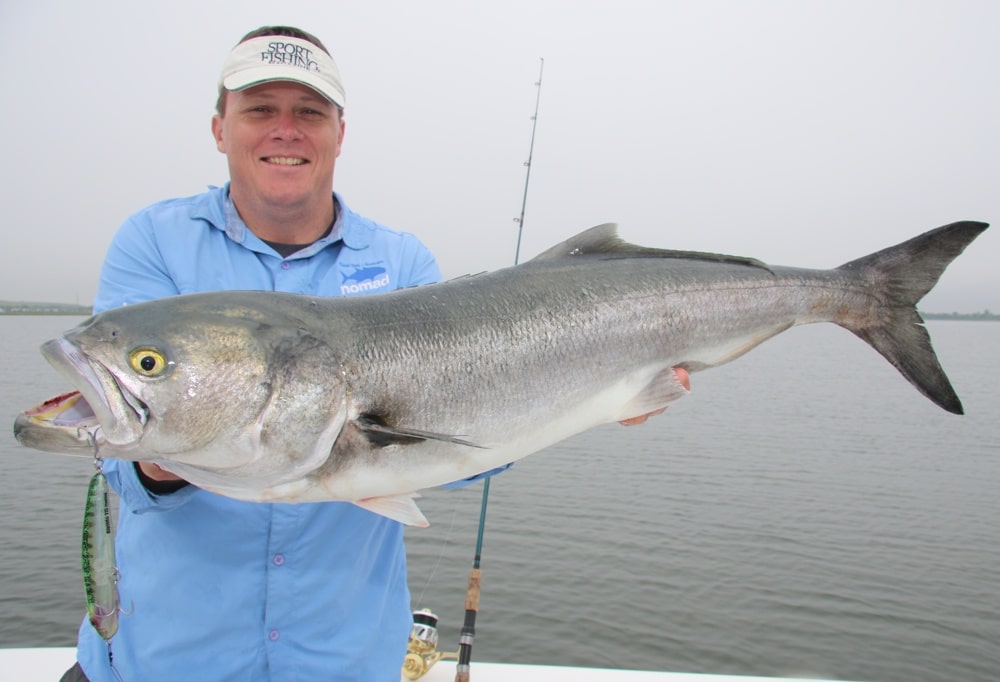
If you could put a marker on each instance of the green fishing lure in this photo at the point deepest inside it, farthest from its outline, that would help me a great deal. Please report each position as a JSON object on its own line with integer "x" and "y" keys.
{"x": 100, "y": 574}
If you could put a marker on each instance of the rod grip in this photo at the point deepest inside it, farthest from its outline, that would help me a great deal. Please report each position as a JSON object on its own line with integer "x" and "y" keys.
{"x": 469, "y": 627}
{"x": 472, "y": 593}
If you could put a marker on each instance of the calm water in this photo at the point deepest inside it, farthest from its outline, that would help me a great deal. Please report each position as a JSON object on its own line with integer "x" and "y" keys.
{"x": 804, "y": 512}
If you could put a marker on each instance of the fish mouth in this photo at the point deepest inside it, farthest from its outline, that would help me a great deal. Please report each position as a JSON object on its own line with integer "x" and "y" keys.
{"x": 100, "y": 411}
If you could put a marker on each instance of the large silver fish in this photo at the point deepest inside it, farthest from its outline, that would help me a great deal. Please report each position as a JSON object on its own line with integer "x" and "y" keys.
{"x": 279, "y": 397}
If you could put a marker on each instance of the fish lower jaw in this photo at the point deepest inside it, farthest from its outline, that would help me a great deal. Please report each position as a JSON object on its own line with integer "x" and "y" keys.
{"x": 67, "y": 424}
{"x": 81, "y": 439}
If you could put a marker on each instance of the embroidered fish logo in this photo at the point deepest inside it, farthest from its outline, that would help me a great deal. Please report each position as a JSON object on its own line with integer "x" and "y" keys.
{"x": 363, "y": 274}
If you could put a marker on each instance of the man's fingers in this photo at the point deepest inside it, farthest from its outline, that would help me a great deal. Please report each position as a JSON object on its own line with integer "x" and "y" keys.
{"x": 683, "y": 377}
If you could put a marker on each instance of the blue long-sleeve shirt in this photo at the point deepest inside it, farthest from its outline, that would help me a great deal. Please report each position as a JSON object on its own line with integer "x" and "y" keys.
{"x": 220, "y": 589}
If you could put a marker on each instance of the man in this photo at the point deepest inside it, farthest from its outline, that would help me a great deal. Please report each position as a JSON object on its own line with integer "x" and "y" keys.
{"x": 219, "y": 589}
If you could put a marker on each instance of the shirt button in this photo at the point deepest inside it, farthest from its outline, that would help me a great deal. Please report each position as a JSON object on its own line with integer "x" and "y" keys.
{"x": 285, "y": 265}
{"x": 279, "y": 559}
{"x": 273, "y": 635}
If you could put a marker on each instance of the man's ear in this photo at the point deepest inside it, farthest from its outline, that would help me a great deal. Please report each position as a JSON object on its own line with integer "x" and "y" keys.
{"x": 217, "y": 133}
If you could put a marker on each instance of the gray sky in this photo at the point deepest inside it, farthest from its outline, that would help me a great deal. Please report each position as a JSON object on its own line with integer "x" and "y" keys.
{"x": 800, "y": 132}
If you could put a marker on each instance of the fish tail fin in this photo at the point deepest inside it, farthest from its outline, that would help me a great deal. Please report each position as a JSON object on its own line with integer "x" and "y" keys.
{"x": 899, "y": 277}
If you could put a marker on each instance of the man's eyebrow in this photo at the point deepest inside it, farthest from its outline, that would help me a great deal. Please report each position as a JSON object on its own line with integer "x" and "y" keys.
{"x": 307, "y": 99}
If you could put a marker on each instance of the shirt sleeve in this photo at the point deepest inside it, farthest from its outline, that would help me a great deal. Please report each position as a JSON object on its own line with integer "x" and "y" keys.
{"x": 472, "y": 479}
{"x": 133, "y": 269}
{"x": 421, "y": 266}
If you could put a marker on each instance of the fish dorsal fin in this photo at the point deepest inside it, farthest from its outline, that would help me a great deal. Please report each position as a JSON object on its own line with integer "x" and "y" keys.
{"x": 602, "y": 242}
{"x": 602, "y": 239}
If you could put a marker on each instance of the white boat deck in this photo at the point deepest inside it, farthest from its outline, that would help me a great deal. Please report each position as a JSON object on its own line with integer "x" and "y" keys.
{"x": 48, "y": 664}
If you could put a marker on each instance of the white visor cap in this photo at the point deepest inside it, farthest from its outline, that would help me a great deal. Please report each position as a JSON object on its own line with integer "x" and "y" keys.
{"x": 281, "y": 58}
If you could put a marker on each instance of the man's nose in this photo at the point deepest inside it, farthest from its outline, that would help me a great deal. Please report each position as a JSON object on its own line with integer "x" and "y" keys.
{"x": 286, "y": 127}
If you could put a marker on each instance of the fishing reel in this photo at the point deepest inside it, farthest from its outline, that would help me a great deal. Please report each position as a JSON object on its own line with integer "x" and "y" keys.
{"x": 421, "y": 652}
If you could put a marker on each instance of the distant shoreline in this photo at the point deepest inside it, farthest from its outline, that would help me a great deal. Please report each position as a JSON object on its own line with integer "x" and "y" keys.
{"x": 33, "y": 308}
{"x": 44, "y": 313}
{"x": 985, "y": 316}
{"x": 26, "y": 308}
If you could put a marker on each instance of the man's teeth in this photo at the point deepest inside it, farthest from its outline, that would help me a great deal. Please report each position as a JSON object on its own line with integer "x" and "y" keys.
{"x": 285, "y": 160}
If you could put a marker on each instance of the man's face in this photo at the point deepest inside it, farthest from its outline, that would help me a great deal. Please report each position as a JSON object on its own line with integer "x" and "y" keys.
{"x": 282, "y": 140}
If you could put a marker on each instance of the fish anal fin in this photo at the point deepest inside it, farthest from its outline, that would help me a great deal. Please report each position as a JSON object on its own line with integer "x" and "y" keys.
{"x": 400, "y": 508}
{"x": 665, "y": 388}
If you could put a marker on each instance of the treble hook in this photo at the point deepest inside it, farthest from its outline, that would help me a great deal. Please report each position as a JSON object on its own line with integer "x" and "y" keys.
{"x": 98, "y": 460}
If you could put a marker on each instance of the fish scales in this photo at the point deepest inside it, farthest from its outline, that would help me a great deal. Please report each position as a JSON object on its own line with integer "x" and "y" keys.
{"x": 662, "y": 318}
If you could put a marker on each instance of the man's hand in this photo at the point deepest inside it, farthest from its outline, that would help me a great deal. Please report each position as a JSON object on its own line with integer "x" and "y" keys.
{"x": 685, "y": 380}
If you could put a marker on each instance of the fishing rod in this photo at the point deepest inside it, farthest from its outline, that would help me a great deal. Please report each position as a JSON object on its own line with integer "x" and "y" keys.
{"x": 527, "y": 164}
{"x": 468, "y": 633}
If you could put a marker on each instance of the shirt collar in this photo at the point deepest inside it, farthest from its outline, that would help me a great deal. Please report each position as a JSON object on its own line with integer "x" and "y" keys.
{"x": 221, "y": 214}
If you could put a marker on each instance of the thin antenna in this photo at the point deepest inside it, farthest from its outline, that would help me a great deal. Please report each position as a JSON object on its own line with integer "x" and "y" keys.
{"x": 527, "y": 164}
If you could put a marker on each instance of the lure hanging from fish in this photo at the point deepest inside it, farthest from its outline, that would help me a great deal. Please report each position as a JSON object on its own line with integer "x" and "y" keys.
{"x": 100, "y": 574}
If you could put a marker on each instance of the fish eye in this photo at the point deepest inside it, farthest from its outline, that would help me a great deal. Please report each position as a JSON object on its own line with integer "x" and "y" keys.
{"x": 147, "y": 361}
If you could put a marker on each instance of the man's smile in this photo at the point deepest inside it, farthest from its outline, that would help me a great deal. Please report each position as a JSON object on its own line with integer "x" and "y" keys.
{"x": 284, "y": 160}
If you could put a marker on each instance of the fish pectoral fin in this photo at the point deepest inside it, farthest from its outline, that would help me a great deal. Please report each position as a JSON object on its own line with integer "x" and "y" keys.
{"x": 664, "y": 389}
{"x": 380, "y": 434}
{"x": 400, "y": 508}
